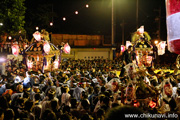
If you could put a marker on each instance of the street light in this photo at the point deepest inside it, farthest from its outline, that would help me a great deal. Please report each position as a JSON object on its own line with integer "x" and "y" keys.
{"x": 9, "y": 37}
{"x": 51, "y": 23}
{"x": 87, "y": 6}
{"x": 156, "y": 42}
{"x": 1, "y": 24}
{"x": 37, "y": 28}
{"x": 76, "y": 12}
{"x": 64, "y": 18}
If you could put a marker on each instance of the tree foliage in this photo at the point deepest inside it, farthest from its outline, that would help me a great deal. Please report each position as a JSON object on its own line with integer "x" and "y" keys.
{"x": 12, "y": 15}
{"x": 38, "y": 14}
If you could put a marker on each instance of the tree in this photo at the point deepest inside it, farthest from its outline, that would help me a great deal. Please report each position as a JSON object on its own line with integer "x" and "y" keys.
{"x": 12, "y": 16}
{"x": 38, "y": 14}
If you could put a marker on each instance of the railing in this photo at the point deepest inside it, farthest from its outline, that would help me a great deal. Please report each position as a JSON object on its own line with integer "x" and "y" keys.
{"x": 7, "y": 49}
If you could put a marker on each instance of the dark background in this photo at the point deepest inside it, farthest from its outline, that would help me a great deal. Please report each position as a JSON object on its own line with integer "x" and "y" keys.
{"x": 97, "y": 18}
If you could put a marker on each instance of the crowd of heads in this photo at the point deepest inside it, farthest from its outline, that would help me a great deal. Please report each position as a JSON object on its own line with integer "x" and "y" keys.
{"x": 86, "y": 90}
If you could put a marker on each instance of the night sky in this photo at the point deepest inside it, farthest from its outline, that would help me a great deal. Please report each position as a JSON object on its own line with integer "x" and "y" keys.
{"x": 97, "y": 18}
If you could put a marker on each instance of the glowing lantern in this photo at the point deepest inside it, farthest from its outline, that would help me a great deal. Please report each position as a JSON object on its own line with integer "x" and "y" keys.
{"x": 128, "y": 43}
{"x": 122, "y": 48}
{"x": 163, "y": 44}
{"x": 9, "y": 37}
{"x": 46, "y": 47}
{"x": 56, "y": 64}
{"x": 29, "y": 64}
{"x": 15, "y": 49}
{"x": 51, "y": 23}
{"x": 64, "y": 19}
{"x": 140, "y": 30}
{"x": 87, "y": 5}
{"x": 67, "y": 48}
{"x": 152, "y": 104}
{"x": 76, "y": 12}
{"x": 161, "y": 47}
{"x": 37, "y": 36}
{"x": 136, "y": 103}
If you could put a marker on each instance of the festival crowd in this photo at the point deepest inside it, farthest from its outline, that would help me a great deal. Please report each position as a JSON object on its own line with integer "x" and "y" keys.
{"x": 88, "y": 90}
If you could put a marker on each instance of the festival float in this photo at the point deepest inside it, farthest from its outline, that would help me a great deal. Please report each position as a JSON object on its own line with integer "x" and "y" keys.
{"x": 42, "y": 54}
{"x": 142, "y": 47}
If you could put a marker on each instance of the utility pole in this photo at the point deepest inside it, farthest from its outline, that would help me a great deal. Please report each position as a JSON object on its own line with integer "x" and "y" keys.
{"x": 159, "y": 25}
{"x": 112, "y": 24}
{"x": 158, "y": 19}
{"x": 137, "y": 13}
{"x": 122, "y": 25}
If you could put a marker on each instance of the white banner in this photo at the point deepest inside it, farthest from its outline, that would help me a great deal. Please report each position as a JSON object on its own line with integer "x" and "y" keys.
{"x": 161, "y": 47}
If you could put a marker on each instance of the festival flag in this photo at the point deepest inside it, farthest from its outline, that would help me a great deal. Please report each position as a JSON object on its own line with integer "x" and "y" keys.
{"x": 173, "y": 25}
{"x": 161, "y": 47}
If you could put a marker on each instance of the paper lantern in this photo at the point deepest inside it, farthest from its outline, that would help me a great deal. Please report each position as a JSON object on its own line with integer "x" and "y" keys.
{"x": 29, "y": 64}
{"x": 173, "y": 25}
{"x": 122, "y": 48}
{"x": 37, "y": 36}
{"x": 67, "y": 48}
{"x": 140, "y": 30}
{"x": 15, "y": 49}
{"x": 46, "y": 47}
{"x": 128, "y": 43}
{"x": 56, "y": 64}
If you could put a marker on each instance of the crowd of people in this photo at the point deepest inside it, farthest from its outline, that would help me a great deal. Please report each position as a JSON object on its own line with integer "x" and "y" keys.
{"x": 86, "y": 90}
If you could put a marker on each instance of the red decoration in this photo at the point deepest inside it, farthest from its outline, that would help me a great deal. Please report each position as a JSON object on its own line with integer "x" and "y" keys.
{"x": 168, "y": 89}
{"x": 122, "y": 48}
{"x": 173, "y": 25}
{"x": 136, "y": 103}
{"x": 15, "y": 49}
{"x": 152, "y": 104}
{"x": 29, "y": 64}
{"x": 46, "y": 47}
{"x": 37, "y": 36}
{"x": 67, "y": 48}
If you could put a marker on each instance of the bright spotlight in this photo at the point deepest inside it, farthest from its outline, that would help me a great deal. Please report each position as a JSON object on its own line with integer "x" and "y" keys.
{"x": 2, "y": 59}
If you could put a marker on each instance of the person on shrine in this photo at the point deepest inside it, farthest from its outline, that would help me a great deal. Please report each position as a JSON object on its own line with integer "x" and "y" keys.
{"x": 127, "y": 58}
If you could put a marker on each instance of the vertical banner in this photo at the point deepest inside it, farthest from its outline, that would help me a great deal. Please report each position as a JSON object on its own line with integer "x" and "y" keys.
{"x": 173, "y": 25}
{"x": 161, "y": 47}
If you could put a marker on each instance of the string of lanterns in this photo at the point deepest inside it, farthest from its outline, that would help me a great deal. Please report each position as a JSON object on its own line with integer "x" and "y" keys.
{"x": 77, "y": 11}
